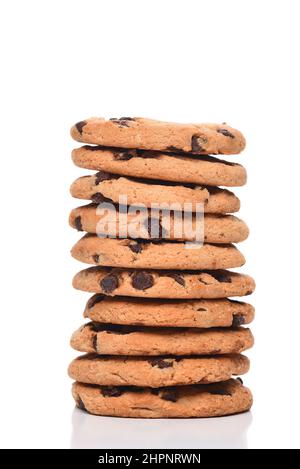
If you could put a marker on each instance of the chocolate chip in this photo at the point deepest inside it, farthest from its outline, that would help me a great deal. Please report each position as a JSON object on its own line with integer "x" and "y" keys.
{"x": 240, "y": 380}
{"x": 79, "y": 126}
{"x": 94, "y": 341}
{"x": 238, "y": 320}
{"x": 111, "y": 391}
{"x": 160, "y": 363}
{"x": 136, "y": 248}
{"x": 248, "y": 292}
{"x": 98, "y": 198}
{"x": 94, "y": 300}
{"x": 109, "y": 283}
{"x": 122, "y": 121}
{"x": 80, "y": 404}
{"x": 122, "y": 156}
{"x": 178, "y": 278}
{"x": 77, "y": 223}
{"x": 168, "y": 395}
{"x": 221, "y": 276}
{"x": 103, "y": 176}
{"x": 96, "y": 258}
{"x": 142, "y": 280}
{"x": 196, "y": 144}
{"x": 201, "y": 309}
{"x": 226, "y": 133}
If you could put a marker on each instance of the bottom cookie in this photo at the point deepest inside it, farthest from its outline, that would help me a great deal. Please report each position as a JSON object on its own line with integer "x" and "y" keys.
{"x": 211, "y": 400}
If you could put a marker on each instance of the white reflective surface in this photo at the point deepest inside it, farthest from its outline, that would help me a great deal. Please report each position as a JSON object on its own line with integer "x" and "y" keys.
{"x": 90, "y": 431}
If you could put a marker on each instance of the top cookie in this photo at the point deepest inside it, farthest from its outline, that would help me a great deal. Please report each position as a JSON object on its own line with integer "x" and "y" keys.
{"x": 148, "y": 134}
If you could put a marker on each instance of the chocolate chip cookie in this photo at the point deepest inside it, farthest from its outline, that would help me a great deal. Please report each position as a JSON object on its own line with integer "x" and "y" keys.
{"x": 106, "y": 187}
{"x": 157, "y": 255}
{"x": 148, "y": 134}
{"x": 112, "y": 339}
{"x": 206, "y": 170}
{"x": 204, "y": 400}
{"x": 156, "y": 225}
{"x": 168, "y": 313}
{"x": 164, "y": 284}
{"x": 156, "y": 372}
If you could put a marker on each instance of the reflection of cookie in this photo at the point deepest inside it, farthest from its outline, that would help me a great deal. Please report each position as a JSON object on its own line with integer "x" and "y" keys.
{"x": 104, "y": 187}
{"x": 109, "y": 222}
{"x": 203, "y": 400}
{"x": 148, "y": 134}
{"x": 157, "y": 255}
{"x": 163, "y": 284}
{"x": 163, "y": 166}
{"x": 156, "y": 372}
{"x": 134, "y": 340}
{"x": 168, "y": 313}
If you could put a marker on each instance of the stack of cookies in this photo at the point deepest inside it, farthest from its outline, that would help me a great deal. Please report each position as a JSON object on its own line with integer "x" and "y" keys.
{"x": 163, "y": 337}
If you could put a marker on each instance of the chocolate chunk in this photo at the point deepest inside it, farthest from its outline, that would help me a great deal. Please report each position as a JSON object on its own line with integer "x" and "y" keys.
{"x": 178, "y": 278}
{"x": 122, "y": 155}
{"x": 238, "y": 320}
{"x": 79, "y": 126}
{"x": 98, "y": 198}
{"x": 196, "y": 144}
{"x": 77, "y": 223}
{"x": 136, "y": 248}
{"x": 225, "y": 132}
{"x": 221, "y": 276}
{"x": 248, "y": 292}
{"x": 160, "y": 363}
{"x": 94, "y": 300}
{"x": 168, "y": 394}
{"x": 103, "y": 176}
{"x": 122, "y": 121}
{"x": 94, "y": 341}
{"x": 220, "y": 392}
{"x": 96, "y": 258}
{"x": 109, "y": 283}
{"x": 81, "y": 405}
{"x": 142, "y": 280}
{"x": 111, "y": 391}
{"x": 201, "y": 309}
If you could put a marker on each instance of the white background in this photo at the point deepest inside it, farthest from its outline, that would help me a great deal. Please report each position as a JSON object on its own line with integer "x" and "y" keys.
{"x": 192, "y": 60}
